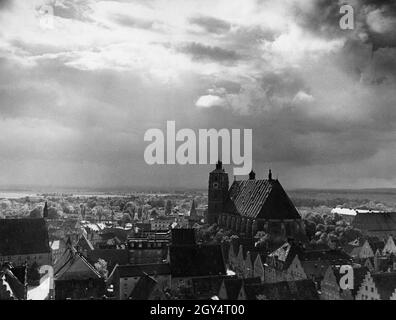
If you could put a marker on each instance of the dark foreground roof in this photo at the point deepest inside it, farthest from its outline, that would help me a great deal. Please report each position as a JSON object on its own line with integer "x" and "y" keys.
{"x": 138, "y": 270}
{"x": 264, "y": 199}
{"x": 285, "y": 290}
{"x": 196, "y": 261}
{"x": 23, "y": 236}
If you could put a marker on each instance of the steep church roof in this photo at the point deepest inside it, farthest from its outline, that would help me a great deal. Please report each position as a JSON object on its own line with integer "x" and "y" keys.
{"x": 260, "y": 199}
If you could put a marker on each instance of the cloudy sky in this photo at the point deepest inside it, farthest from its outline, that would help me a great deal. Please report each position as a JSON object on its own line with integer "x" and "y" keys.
{"x": 78, "y": 92}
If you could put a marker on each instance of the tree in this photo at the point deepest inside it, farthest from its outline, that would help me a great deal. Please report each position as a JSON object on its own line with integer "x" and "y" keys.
{"x": 168, "y": 207}
{"x": 33, "y": 274}
{"x": 101, "y": 267}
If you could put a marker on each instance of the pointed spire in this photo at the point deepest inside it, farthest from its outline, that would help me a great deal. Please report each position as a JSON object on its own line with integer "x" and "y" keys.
{"x": 270, "y": 175}
{"x": 45, "y": 210}
{"x": 252, "y": 175}
{"x": 219, "y": 165}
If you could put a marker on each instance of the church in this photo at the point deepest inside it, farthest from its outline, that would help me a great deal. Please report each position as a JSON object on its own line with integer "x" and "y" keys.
{"x": 253, "y": 205}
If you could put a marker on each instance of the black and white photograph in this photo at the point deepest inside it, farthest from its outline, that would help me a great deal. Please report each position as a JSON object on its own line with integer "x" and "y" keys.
{"x": 215, "y": 151}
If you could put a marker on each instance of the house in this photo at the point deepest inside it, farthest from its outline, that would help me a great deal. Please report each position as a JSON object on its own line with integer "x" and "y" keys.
{"x": 194, "y": 261}
{"x": 24, "y": 240}
{"x": 378, "y": 224}
{"x": 231, "y": 287}
{"x": 284, "y": 290}
{"x": 378, "y": 286}
{"x": 253, "y": 205}
{"x": 284, "y": 264}
{"x": 259, "y": 265}
{"x": 148, "y": 248}
{"x": 390, "y": 246}
{"x": 293, "y": 261}
{"x": 125, "y": 278}
{"x": 83, "y": 245}
{"x": 251, "y": 256}
{"x": 330, "y": 285}
{"x": 75, "y": 278}
{"x": 57, "y": 248}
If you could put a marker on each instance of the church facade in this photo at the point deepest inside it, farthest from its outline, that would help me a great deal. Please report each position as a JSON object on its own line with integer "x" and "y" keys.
{"x": 252, "y": 205}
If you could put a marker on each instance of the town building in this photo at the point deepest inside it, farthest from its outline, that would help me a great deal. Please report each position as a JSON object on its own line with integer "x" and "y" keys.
{"x": 378, "y": 286}
{"x": 75, "y": 278}
{"x": 330, "y": 286}
{"x": 126, "y": 277}
{"x": 24, "y": 240}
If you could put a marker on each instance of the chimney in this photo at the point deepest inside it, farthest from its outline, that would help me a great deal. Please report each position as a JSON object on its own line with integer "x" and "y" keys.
{"x": 252, "y": 175}
{"x": 219, "y": 165}
{"x": 270, "y": 175}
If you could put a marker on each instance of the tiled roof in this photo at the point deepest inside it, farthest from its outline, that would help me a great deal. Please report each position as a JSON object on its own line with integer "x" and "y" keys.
{"x": 265, "y": 199}
{"x": 198, "y": 260}
{"x": 23, "y": 236}
{"x": 73, "y": 266}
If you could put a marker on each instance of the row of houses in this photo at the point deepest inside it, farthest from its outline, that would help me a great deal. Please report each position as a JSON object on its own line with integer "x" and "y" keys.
{"x": 373, "y": 270}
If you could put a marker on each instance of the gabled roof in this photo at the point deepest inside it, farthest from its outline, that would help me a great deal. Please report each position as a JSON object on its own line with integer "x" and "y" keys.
{"x": 84, "y": 243}
{"x": 265, "y": 199}
{"x": 233, "y": 286}
{"x": 196, "y": 261}
{"x": 23, "y": 236}
{"x": 143, "y": 288}
{"x": 285, "y": 290}
{"x": 286, "y": 254}
{"x": 73, "y": 266}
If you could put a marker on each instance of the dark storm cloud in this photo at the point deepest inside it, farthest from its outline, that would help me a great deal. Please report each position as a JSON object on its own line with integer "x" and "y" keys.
{"x": 5, "y": 4}
{"x": 323, "y": 19}
{"x": 211, "y": 25}
{"x": 200, "y": 51}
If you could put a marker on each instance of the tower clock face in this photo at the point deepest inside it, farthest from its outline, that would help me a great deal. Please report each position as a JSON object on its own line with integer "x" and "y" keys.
{"x": 215, "y": 185}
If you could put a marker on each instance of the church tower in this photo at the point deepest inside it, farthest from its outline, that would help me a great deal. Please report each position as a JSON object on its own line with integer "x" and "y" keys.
{"x": 217, "y": 192}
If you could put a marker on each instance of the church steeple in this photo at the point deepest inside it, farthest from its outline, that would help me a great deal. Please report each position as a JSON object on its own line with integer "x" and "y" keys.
{"x": 45, "y": 210}
{"x": 217, "y": 193}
